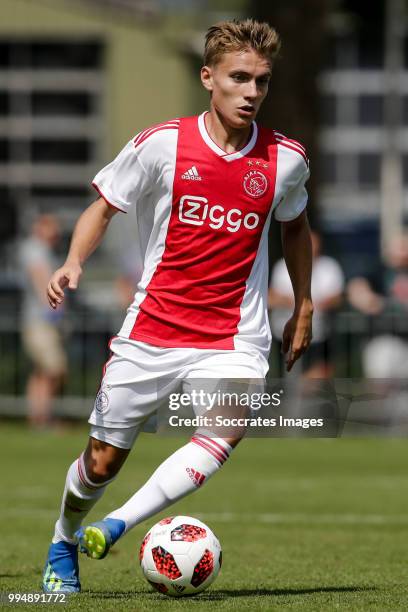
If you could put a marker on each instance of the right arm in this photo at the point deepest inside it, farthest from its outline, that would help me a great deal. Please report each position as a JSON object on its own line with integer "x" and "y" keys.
{"x": 88, "y": 233}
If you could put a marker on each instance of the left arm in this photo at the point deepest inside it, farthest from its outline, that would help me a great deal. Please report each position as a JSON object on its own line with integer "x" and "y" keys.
{"x": 297, "y": 251}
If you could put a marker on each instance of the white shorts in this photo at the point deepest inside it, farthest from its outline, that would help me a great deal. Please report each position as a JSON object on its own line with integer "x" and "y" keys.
{"x": 138, "y": 379}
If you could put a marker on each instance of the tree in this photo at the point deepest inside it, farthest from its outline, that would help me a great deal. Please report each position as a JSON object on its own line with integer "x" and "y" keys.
{"x": 292, "y": 105}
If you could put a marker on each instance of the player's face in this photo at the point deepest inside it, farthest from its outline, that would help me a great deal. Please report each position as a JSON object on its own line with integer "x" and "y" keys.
{"x": 238, "y": 84}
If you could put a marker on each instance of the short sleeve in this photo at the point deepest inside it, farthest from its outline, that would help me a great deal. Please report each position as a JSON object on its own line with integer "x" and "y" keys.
{"x": 125, "y": 180}
{"x": 295, "y": 200}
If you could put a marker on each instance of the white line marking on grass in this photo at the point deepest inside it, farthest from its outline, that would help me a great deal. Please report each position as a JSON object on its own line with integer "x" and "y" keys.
{"x": 248, "y": 517}
{"x": 29, "y": 492}
{"x": 291, "y": 518}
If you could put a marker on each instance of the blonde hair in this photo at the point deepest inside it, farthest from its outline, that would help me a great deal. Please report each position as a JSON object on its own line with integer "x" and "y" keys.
{"x": 239, "y": 35}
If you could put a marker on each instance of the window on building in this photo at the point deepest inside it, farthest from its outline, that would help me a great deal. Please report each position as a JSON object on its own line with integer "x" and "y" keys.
{"x": 328, "y": 109}
{"x": 369, "y": 169}
{"x": 63, "y": 103}
{"x": 353, "y": 94}
{"x": 371, "y": 109}
{"x": 50, "y": 122}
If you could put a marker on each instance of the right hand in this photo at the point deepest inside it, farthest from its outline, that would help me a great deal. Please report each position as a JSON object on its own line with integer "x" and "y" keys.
{"x": 66, "y": 276}
{"x": 297, "y": 335}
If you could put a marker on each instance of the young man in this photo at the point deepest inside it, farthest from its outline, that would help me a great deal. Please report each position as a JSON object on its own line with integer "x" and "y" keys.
{"x": 204, "y": 190}
{"x": 41, "y": 327}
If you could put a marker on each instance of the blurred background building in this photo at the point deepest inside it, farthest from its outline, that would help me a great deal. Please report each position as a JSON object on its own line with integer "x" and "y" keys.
{"x": 78, "y": 78}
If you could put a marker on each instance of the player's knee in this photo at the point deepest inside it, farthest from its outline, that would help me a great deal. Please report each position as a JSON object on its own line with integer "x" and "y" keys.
{"x": 102, "y": 461}
{"x": 100, "y": 472}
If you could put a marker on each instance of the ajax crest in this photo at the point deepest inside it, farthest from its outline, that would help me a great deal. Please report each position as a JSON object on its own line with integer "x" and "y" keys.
{"x": 101, "y": 401}
{"x": 255, "y": 183}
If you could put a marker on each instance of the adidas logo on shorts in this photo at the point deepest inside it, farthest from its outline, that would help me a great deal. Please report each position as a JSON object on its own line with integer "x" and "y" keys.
{"x": 191, "y": 175}
{"x": 195, "y": 476}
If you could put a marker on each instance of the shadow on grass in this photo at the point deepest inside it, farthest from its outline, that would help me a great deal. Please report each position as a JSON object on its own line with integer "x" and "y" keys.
{"x": 224, "y": 593}
{"x": 278, "y": 592}
{"x": 16, "y": 575}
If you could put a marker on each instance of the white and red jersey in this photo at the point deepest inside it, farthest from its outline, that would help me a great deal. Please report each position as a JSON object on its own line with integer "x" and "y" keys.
{"x": 203, "y": 217}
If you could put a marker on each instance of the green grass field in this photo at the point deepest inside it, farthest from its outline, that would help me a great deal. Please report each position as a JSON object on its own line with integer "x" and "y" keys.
{"x": 304, "y": 524}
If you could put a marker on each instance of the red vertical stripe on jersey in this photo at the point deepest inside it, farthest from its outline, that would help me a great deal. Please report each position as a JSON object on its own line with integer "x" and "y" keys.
{"x": 195, "y": 294}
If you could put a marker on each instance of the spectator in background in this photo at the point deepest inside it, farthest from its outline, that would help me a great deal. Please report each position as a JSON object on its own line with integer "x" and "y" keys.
{"x": 362, "y": 296}
{"x": 396, "y": 274}
{"x": 40, "y": 326}
{"x": 385, "y": 355}
{"x": 327, "y": 290}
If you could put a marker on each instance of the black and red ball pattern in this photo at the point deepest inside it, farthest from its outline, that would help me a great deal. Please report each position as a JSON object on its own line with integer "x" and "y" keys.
{"x": 143, "y": 546}
{"x": 188, "y": 533}
{"x": 165, "y": 563}
{"x": 166, "y": 521}
{"x": 203, "y": 569}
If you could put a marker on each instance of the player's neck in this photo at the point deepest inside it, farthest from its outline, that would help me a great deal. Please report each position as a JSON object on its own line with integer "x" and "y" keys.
{"x": 227, "y": 138}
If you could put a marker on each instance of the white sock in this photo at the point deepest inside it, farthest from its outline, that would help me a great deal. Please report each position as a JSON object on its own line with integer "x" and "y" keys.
{"x": 183, "y": 472}
{"x": 80, "y": 495}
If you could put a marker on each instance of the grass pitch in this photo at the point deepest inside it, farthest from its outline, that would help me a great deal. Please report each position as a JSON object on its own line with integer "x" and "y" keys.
{"x": 304, "y": 524}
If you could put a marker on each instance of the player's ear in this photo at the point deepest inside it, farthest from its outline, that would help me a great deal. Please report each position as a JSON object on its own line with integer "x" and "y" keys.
{"x": 206, "y": 77}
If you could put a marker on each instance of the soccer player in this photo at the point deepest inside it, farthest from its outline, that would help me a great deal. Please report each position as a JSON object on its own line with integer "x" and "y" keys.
{"x": 204, "y": 190}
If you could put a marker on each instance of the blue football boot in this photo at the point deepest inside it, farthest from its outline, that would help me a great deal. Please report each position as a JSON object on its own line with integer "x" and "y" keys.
{"x": 61, "y": 571}
{"x": 96, "y": 539}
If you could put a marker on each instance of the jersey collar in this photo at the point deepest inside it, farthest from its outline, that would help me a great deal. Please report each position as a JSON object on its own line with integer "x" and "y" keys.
{"x": 227, "y": 156}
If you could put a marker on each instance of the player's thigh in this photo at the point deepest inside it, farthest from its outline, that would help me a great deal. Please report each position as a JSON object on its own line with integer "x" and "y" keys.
{"x": 223, "y": 385}
{"x": 125, "y": 402}
{"x": 222, "y": 376}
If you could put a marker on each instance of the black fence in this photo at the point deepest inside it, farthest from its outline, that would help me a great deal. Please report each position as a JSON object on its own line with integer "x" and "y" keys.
{"x": 87, "y": 335}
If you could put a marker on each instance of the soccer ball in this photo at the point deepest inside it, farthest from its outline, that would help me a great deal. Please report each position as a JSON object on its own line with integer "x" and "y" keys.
{"x": 180, "y": 555}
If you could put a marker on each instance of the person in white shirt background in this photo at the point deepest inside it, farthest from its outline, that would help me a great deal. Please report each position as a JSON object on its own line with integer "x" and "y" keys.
{"x": 327, "y": 294}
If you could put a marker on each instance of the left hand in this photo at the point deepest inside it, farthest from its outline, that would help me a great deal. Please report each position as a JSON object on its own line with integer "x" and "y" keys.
{"x": 297, "y": 336}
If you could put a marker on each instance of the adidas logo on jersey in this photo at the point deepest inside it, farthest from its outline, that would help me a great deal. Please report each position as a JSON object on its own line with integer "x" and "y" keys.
{"x": 191, "y": 175}
{"x": 195, "y": 476}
